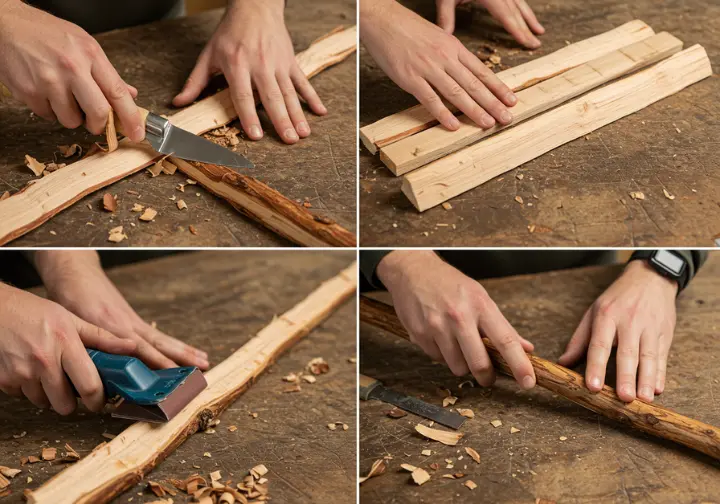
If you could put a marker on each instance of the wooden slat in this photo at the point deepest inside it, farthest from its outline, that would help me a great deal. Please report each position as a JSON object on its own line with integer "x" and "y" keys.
{"x": 40, "y": 201}
{"x": 124, "y": 461}
{"x": 415, "y": 119}
{"x": 469, "y": 167}
{"x": 420, "y": 149}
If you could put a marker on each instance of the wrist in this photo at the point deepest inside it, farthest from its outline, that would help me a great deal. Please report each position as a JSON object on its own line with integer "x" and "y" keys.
{"x": 53, "y": 265}
{"x": 641, "y": 267}
{"x": 395, "y": 267}
{"x": 372, "y": 9}
{"x": 277, "y": 7}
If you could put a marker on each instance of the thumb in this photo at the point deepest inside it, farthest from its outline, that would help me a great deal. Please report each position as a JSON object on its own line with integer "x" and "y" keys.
{"x": 93, "y": 336}
{"x": 199, "y": 78}
{"x": 446, "y": 14}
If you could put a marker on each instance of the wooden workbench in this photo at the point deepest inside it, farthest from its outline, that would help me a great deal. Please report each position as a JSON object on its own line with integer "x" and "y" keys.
{"x": 588, "y": 178}
{"x": 217, "y": 301}
{"x": 600, "y": 462}
{"x": 157, "y": 59}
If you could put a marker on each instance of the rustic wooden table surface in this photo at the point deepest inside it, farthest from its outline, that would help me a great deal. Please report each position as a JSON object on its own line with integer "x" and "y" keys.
{"x": 600, "y": 462}
{"x": 217, "y": 301}
{"x": 157, "y": 59}
{"x": 642, "y": 152}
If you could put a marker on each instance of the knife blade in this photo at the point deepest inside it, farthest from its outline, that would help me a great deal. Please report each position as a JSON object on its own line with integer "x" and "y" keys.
{"x": 370, "y": 388}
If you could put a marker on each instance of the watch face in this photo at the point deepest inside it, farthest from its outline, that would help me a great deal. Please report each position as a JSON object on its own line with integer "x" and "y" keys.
{"x": 670, "y": 261}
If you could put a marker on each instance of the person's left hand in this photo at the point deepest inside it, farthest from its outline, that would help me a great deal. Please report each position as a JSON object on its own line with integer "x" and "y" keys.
{"x": 637, "y": 312}
{"x": 516, "y": 16}
{"x": 75, "y": 279}
{"x": 252, "y": 47}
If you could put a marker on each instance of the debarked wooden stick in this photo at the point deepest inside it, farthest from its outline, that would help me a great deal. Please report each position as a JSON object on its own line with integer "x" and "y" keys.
{"x": 640, "y": 415}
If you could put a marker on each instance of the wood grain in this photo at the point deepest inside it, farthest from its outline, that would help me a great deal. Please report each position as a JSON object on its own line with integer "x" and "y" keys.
{"x": 402, "y": 124}
{"x": 445, "y": 178}
{"x": 422, "y": 148}
{"x": 133, "y": 453}
{"x": 646, "y": 417}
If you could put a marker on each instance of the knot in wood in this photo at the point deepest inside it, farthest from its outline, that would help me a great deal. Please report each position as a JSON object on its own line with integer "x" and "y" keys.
{"x": 651, "y": 419}
{"x": 205, "y": 417}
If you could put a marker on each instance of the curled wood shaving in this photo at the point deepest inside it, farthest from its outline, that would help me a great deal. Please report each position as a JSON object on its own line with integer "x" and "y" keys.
{"x": 308, "y": 378}
{"x": 181, "y": 205}
{"x": 377, "y": 469}
{"x": 156, "y": 488}
{"x": 318, "y": 366}
{"x": 232, "y": 428}
{"x": 36, "y": 166}
{"x": 215, "y": 476}
{"x": 137, "y": 207}
{"x": 445, "y": 437}
{"x": 467, "y": 413}
{"x": 148, "y": 215}
{"x": 291, "y": 378}
{"x": 668, "y": 195}
{"x": 449, "y": 400}
{"x": 110, "y": 133}
{"x": 70, "y": 454}
{"x": 637, "y": 195}
{"x": 156, "y": 169}
{"x": 191, "y": 182}
{"x": 259, "y": 471}
{"x": 168, "y": 168}
{"x": 192, "y": 229}
{"x": 475, "y": 455}
{"x": 420, "y": 476}
{"x": 33, "y": 459}
{"x": 109, "y": 202}
{"x": 8, "y": 472}
{"x": 4, "y": 482}
{"x": 67, "y": 151}
{"x": 519, "y": 199}
{"x": 49, "y": 453}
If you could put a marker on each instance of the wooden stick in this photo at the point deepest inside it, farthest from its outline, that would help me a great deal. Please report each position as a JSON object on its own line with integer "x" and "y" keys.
{"x": 445, "y": 178}
{"x": 640, "y": 415}
{"x": 436, "y": 142}
{"x": 415, "y": 119}
{"x": 126, "y": 459}
{"x": 267, "y": 206}
{"x": 45, "y": 197}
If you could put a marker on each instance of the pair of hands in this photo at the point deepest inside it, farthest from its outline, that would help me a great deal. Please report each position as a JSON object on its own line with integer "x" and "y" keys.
{"x": 446, "y": 312}
{"x": 42, "y": 342}
{"x": 425, "y": 59}
{"x": 61, "y": 72}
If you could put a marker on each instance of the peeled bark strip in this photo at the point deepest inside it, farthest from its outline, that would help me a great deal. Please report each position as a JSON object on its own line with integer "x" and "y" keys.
{"x": 39, "y": 202}
{"x": 267, "y": 206}
{"x": 646, "y": 417}
{"x": 126, "y": 459}
{"x": 415, "y": 119}
{"x": 472, "y": 166}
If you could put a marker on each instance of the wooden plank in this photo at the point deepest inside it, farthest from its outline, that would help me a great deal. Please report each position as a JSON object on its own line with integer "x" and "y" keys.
{"x": 40, "y": 201}
{"x": 422, "y": 148}
{"x": 646, "y": 417}
{"x": 124, "y": 461}
{"x": 267, "y": 206}
{"x": 445, "y": 178}
{"x": 415, "y": 119}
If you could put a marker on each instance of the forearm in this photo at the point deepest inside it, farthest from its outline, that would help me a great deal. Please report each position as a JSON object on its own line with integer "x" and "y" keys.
{"x": 394, "y": 267}
{"x": 50, "y": 264}
{"x": 235, "y": 5}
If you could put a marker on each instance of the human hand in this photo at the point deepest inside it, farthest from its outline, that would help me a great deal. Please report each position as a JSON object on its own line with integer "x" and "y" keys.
{"x": 42, "y": 345}
{"x": 421, "y": 58}
{"x": 516, "y": 16}
{"x": 61, "y": 72}
{"x": 636, "y": 313}
{"x": 445, "y": 313}
{"x": 76, "y": 280}
{"x": 252, "y": 47}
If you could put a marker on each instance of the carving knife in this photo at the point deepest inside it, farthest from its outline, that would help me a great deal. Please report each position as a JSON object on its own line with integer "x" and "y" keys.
{"x": 370, "y": 388}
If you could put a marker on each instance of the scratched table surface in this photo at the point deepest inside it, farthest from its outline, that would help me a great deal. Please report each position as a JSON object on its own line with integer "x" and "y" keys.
{"x": 583, "y": 186}
{"x": 218, "y": 301}
{"x": 157, "y": 58}
{"x": 599, "y": 462}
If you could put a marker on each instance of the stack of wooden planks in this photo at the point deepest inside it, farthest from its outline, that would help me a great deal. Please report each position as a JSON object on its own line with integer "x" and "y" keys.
{"x": 559, "y": 100}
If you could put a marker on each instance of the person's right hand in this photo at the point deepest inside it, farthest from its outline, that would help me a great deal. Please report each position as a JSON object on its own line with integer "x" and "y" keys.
{"x": 42, "y": 345}
{"x": 445, "y": 312}
{"x": 421, "y": 58}
{"x": 58, "y": 70}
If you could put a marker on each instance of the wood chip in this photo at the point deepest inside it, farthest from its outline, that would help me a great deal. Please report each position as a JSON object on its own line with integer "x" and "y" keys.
{"x": 49, "y": 453}
{"x": 33, "y": 459}
{"x": 377, "y": 469}
{"x": 563, "y": 438}
{"x": 156, "y": 169}
{"x": 309, "y": 378}
{"x": 637, "y": 195}
{"x": 70, "y": 454}
{"x": 292, "y": 388}
{"x": 137, "y": 207}
{"x": 318, "y": 366}
{"x": 109, "y": 202}
{"x": 216, "y": 476}
{"x": 67, "y": 151}
{"x": 396, "y": 413}
{"x": 110, "y": 133}
{"x": 168, "y": 168}
{"x": 427, "y": 453}
{"x": 496, "y": 423}
{"x": 514, "y": 430}
{"x": 4, "y": 482}
{"x": 156, "y": 488}
{"x": 470, "y": 484}
{"x": 148, "y": 215}
{"x": 467, "y": 413}
{"x": 192, "y": 229}
{"x": 420, "y": 476}
{"x": 21, "y": 435}
{"x": 475, "y": 455}
{"x": 191, "y": 182}
{"x": 434, "y": 466}
{"x": 668, "y": 195}
{"x": 519, "y": 199}
{"x": 445, "y": 437}
{"x": 116, "y": 235}
{"x": 258, "y": 471}
{"x": 331, "y": 426}
{"x": 36, "y": 166}
{"x": 408, "y": 467}
{"x": 9, "y": 472}
{"x": 449, "y": 400}
{"x": 291, "y": 378}
{"x": 447, "y": 206}
{"x": 181, "y": 204}
{"x": 232, "y": 428}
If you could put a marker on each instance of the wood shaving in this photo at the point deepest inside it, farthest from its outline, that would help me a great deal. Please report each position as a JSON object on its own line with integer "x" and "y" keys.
{"x": 318, "y": 366}
{"x": 408, "y": 467}
{"x": 156, "y": 488}
{"x": 4, "y": 482}
{"x": 259, "y": 471}
{"x": 191, "y": 182}
{"x": 308, "y": 378}
{"x": 21, "y": 435}
{"x": 449, "y": 400}
{"x": 5, "y": 195}
{"x": 168, "y": 168}
{"x": 137, "y": 207}
{"x": 514, "y": 430}
{"x": 9, "y": 472}
{"x": 232, "y": 428}
{"x": 434, "y": 466}
{"x": 426, "y": 453}
{"x": 420, "y": 476}
{"x": 331, "y": 426}
{"x": 116, "y": 235}
{"x": 215, "y": 476}
{"x": 563, "y": 438}
{"x": 445, "y": 437}
{"x": 109, "y": 202}
{"x": 496, "y": 423}
{"x": 148, "y": 215}
{"x": 377, "y": 469}
{"x": 36, "y": 166}
{"x": 292, "y": 378}
{"x": 668, "y": 195}
{"x": 447, "y": 206}
{"x": 637, "y": 195}
{"x": 470, "y": 484}
{"x": 475, "y": 455}
{"x": 70, "y": 454}
{"x": 467, "y": 413}
{"x": 307, "y": 204}
{"x": 32, "y": 459}
{"x": 519, "y": 199}
{"x": 396, "y": 413}
{"x": 49, "y": 454}
{"x": 292, "y": 388}
{"x": 181, "y": 205}
{"x": 110, "y": 133}
{"x": 67, "y": 151}
{"x": 192, "y": 229}
{"x": 180, "y": 187}
{"x": 156, "y": 169}
{"x": 207, "y": 454}
{"x": 467, "y": 382}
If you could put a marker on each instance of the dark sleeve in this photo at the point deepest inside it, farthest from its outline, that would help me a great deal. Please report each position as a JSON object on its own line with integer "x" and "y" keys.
{"x": 369, "y": 260}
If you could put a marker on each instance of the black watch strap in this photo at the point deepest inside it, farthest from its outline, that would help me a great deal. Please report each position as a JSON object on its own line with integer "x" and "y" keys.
{"x": 653, "y": 259}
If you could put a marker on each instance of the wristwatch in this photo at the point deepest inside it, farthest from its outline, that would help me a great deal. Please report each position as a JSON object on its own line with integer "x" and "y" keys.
{"x": 667, "y": 263}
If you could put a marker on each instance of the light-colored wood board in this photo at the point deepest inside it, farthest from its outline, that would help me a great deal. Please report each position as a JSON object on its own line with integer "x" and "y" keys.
{"x": 124, "y": 461}
{"x": 40, "y": 201}
{"x": 415, "y": 119}
{"x": 445, "y": 178}
{"x": 422, "y": 148}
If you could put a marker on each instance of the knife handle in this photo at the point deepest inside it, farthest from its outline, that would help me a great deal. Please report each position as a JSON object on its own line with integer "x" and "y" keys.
{"x": 118, "y": 126}
{"x": 367, "y": 385}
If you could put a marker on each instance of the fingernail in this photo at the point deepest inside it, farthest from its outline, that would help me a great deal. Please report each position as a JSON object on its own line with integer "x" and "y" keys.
{"x": 511, "y": 98}
{"x": 303, "y": 128}
{"x": 595, "y": 382}
{"x": 487, "y": 122}
{"x": 139, "y": 133}
{"x": 528, "y": 382}
{"x": 506, "y": 117}
{"x": 628, "y": 390}
{"x": 290, "y": 134}
{"x": 255, "y": 131}
{"x": 647, "y": 393}
{"x": 454, "y": 123}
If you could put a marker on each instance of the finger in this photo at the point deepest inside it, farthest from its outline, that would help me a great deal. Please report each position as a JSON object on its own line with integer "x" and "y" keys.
{"x": 578, "y": 344}
{"x": 196, "y": 82}
{"x": 475, "y": 354}
{"x": 599, "y": 348}
{"x": 527, "y": 345}
{"x": 151, "y": 356}
{"x": 529, "y": 16}
{"x": 173, "y": 348}
{"x": 429, "y": 346}
{"x": 274, "y": 102}
{"x": 244, "y": 101}
{"x": 93, "y": 336}
{"x": 11, "y": 391}
{"x": 35, "y": 394}
{"x": 647, "y": 374}
{"x": 292, "y": 103}
{"x": 628, "y": 350}
{"x": 487, "y": 77}
{"x": 451, "y": 352}
{"x": 55, "y": 382}
{"x": 133, "y": 91}
{"x": 511, "y": 19}
{"x": 432, "y": 102}
{"x": 446, "y": 15}
{"x": 94, "y": 104}
{"x": 307, "y": 91}
{"x": 65, "y": 107}
{"x": 489, "y": 104}
{"x": 456, "y": 94}
{"x": 663, "y": 353}
{"x": 117, "y": 94}
{"x": 41, "y": 108}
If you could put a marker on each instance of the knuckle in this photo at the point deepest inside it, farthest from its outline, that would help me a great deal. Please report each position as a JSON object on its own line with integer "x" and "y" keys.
{"x": 87, "y": 389}
{"x": 68, "y": 62}
{"x": 458, "y": 368}
{"x": 23, "y": 373}
{"x": 475, "y": 85}
{"x": 598, "y": 345}
{"x": 434, "y": 323}
{"x": 478, "y": 366}
{"x": 505, "y": 340}
{"x": 455, "y": 90}
{"x": 117, "y": 90}
{"x": 630, "y": 351}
